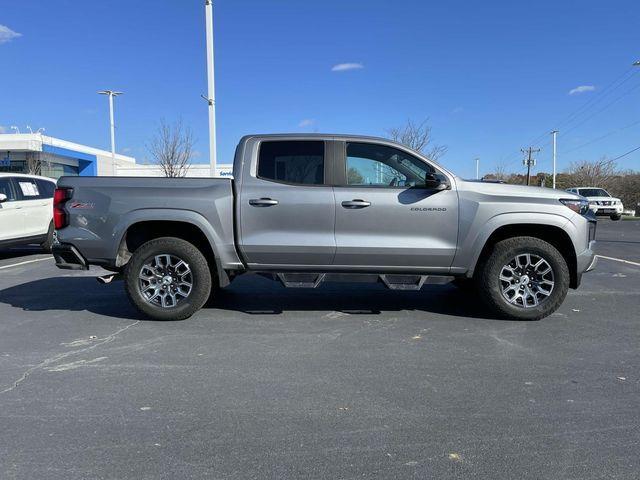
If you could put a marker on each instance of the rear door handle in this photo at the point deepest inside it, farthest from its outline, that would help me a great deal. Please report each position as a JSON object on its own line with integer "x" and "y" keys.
{"x": 356, "y": 203}
{"x": 263, "y": 202}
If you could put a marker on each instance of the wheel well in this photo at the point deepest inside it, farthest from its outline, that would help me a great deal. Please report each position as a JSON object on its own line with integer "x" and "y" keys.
{"x": 549, "y": 233}
{"x": 141, "y": 232}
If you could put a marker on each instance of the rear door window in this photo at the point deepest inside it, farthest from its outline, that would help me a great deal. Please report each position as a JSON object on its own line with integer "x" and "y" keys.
{"x": 27, "y": 188}
{"x": 298, "y": 162}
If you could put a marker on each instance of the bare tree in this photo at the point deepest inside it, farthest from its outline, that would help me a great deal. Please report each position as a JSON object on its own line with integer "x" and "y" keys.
{"x": 417, "y": 136}
{"x": 37, "y": 162}
{"x": 172, "y": 148}
{"x": 599, "y": 173}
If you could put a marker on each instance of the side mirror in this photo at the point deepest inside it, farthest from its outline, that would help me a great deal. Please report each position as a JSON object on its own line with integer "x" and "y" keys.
{"x": 3, "y": 198}
{"x": 432, "y": 181}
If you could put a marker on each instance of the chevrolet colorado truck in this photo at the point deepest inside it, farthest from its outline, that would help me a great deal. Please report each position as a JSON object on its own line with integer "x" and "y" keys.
{"x": 306, "y": 209}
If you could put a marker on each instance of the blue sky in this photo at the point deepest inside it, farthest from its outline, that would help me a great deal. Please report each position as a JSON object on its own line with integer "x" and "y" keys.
{"x": 491, "y": 76}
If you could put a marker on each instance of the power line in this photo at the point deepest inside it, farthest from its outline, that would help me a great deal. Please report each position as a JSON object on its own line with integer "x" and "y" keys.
{"x": 601, "y": 110}
{"x": 624, "y": 154}
{"x": 606, "y": 91}
{"x": 603, "y": 94}
{"x": 597, "y": 139}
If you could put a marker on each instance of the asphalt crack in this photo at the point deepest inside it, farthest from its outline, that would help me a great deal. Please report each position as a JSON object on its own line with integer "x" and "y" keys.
{"x": 56, "y": 358}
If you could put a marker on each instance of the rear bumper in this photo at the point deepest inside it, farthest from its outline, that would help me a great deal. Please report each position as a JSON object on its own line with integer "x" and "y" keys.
{"x": 68, "y": 257}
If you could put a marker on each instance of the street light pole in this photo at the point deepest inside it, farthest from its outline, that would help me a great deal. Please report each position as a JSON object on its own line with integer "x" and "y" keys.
{"x": 477, "y": 168}
{"x": 111, "y": 94}
{"x": 555, "y": 136}
{"x": 211, "y": 93}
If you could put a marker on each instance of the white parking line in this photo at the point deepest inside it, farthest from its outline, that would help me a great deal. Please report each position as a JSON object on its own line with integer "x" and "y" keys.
{"x": 25, "y": 262}
{"x": 619, "y": 260}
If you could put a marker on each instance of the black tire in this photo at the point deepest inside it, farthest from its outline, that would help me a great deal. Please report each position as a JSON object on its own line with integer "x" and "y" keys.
{"x": 490, "y": 286}
{"x": 48, "y": 243}
{"x": 200, "y": 276}
{"x": 615, "y": 217}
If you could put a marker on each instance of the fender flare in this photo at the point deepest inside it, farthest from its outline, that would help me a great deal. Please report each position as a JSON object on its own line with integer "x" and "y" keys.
{"x": 477, "y": 244}
{"x": 171, "y": 215}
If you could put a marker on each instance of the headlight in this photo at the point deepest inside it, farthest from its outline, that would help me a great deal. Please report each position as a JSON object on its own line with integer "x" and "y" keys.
{"x": 578, "y": 206}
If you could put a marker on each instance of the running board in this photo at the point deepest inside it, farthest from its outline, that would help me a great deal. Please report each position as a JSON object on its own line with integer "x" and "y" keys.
{"x": 404, "y": 282}
{"x": 391, "y": 281}
{"x": 301, "y": 280}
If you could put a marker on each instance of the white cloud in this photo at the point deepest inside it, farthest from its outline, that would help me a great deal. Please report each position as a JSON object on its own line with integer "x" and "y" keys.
{"x": 6, "y": 34}
{"x": 582, "y": 89}
{"x": 307, "y": 122}
{"x": 343, "y": 67}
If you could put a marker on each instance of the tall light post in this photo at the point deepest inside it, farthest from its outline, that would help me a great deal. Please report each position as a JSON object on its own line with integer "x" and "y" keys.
{"x": 211, "y": 93}
{"x": 111, "y": 94}
{"x": 477, "y": 168}
{"x": 554, "y": 133}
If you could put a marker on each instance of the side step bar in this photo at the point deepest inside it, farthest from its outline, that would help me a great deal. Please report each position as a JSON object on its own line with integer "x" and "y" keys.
{"x": 391, "y": 281}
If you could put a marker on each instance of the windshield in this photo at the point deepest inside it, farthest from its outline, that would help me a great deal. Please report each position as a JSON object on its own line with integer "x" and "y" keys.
{"x": 593, "y": 192}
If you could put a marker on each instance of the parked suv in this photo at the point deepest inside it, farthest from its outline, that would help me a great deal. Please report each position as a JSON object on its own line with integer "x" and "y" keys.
{"x": 26, "y": 210}
{"x": 600, "y": 201}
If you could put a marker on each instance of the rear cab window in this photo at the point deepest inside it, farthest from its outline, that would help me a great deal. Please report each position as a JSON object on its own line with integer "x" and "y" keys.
{"x": 298, "y": 162}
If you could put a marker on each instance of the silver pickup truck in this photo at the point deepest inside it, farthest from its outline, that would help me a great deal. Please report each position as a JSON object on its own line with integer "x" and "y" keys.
{"x": 305, "y": 209}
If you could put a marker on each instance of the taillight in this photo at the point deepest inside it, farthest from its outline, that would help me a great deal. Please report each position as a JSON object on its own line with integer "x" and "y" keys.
{"x": 60, "y": 217}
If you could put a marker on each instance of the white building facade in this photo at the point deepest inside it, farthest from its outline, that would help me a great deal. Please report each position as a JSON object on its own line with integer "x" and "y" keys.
{"x": 40, "y": 154}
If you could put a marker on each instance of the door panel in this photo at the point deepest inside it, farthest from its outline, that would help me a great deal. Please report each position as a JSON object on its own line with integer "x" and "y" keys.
{"x": 400, "y": 228}
{"x": 11, "y": 222}
{"x": 36, "y": 211}
{"x": 287, "y": 214}
{"x": 387, "y": 217}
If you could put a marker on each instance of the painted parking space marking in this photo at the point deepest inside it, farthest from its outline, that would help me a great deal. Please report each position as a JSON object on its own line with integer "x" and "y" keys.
{"x": 25, "y": 262}
{"x": 619, "y": 260}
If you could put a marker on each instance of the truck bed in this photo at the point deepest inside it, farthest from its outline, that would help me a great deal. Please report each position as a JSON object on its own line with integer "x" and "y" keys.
{"x": 102, "y": 209}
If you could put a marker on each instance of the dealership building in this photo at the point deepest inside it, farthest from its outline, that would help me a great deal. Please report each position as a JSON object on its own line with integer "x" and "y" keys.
{"x": 53, "y": 157}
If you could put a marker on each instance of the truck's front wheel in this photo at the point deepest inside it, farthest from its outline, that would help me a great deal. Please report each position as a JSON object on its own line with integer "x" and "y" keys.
{"x": 524, "y": 278}
{"x": 168, "y": 279}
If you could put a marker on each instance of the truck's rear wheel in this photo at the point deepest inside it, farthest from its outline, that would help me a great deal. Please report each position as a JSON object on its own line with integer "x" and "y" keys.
{"x": 524, "y": 278}
{"x": 168, "y": 279}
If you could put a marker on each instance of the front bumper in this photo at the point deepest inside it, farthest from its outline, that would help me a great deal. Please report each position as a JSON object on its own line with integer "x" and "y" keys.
{"x": 68, "y": 257}
{"x": 606, "y": 209}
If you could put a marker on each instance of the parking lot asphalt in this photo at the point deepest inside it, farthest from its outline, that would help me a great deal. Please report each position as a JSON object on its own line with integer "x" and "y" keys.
{"x": 339, "y": 382}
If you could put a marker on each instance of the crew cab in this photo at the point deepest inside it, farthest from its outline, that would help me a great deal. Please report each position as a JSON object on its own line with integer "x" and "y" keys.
{"x": 306, "y": 209}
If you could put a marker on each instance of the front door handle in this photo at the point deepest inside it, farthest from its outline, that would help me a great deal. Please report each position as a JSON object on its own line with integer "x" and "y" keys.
{"x": 263, "y": 202}
{"x": 356, "y": 203}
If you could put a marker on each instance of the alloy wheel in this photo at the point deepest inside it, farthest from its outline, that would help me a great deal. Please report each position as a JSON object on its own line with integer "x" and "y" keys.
{"x": 527, "y": 280}
{"x": 165, "y": 280}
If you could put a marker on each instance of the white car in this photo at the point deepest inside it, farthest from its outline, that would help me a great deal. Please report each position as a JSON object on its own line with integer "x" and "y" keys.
{"x": 26, "y": 210}
{"x": 600, "y": 202}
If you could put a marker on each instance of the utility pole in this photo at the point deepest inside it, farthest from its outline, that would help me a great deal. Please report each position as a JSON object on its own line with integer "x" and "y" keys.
{"x": 554, "y": 133}
{"x": 211, "y": 93}
{"x": 112, "y": 94}
{"x": 477, "y": 168}
{"x": 529, "y": 161}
